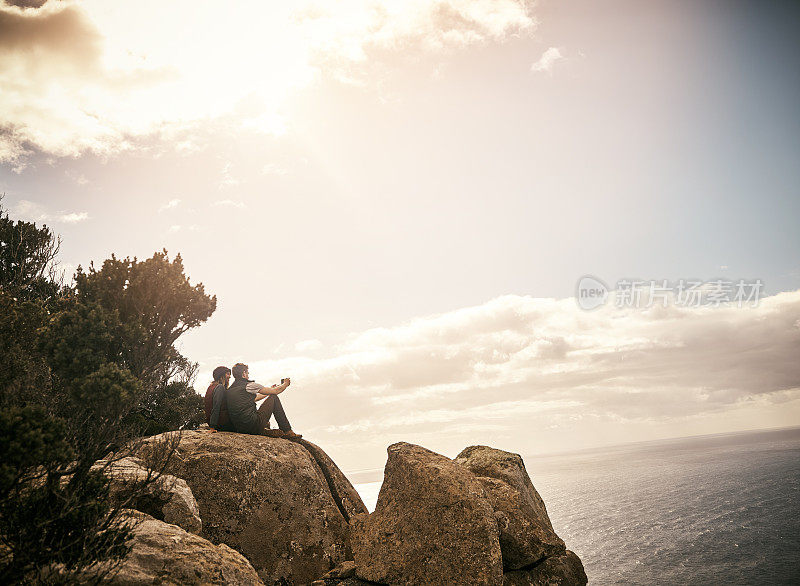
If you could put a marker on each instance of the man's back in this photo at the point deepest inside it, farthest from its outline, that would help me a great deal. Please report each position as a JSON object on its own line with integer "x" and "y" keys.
{"x": 242, "y": 407}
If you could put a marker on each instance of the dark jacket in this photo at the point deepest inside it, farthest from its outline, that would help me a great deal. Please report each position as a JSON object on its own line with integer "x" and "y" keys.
{"x": 216, "y": 408}
{"x": 242, "y": 408}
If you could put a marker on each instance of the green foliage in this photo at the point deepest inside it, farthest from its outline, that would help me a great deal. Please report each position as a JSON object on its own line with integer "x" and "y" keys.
{"x": 68, "y": 524}
{"x": 144, "y": 307}
{"x": 22, "y": 369}
{"x": 87, "y": 368}
{"x": 155, "y": 305}
{"x": 78, "y": 340}
{"x": 27, "y": 255}
{"x": 30, "y": 440}
{"x": 174, "y": 406}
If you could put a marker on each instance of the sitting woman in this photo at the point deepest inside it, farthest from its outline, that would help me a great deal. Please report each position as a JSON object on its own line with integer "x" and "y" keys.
{"x": 216, "y": 401}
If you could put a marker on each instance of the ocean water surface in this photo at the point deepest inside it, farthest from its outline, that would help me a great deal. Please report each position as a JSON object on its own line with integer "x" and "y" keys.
{"x": 722, "y": 509}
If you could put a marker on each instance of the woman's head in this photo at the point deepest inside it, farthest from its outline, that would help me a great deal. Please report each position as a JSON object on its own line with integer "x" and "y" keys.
{"x": 222, "y": 375}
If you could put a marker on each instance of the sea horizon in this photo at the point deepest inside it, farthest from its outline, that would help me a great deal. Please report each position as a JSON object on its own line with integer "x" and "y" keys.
{"x": 712, "y": 508}
{"x": 368, "y": 476}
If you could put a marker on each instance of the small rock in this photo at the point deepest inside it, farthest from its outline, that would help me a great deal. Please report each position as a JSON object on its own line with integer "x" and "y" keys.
{"x": 562, "y": 570}
{"x": 344, "y": 570}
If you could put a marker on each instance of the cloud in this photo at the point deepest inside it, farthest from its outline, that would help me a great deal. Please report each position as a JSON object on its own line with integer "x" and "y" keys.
{"x": 525, "y": 367}
{"x": 26, "y": 3}
{"x": 227, "y": 180}
{"x": 78, "y": 178}
{"x": 273, "y": 169}
{"x": 308, "y": 346}
{"x": 174, "y": 228}
{"x": 171, "y": 204}
{"x": 81, "y": 76}
{"x": 34, "y": 212}
{"x": 548, "y": 60}
{"x": 231, "y": 203}
{"x": 72, "y": 217}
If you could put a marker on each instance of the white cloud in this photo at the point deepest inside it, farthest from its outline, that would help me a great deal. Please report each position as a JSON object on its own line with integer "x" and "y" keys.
{"x": 30, "y": 211}
{"x": 81, "y": 76}
{"x": 34, "y": 212}
{"x": 308, "y": 346}
{"x": 174, "y": 228}
{"x": 230, "y": 203}
{"x": 273, "y": 169}
{"x": 548, "y": 60}
{"x": 78, "y": 178}
{"x": 171, "y": 204}
{"x": 72, "y": 217}
{"x": 524, "y": 367}
{"x": 228, "y": 180}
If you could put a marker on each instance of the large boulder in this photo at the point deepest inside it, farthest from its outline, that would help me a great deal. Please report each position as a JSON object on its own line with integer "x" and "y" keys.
{"x": 167, "y": 498}
{"x": 561, "y": 570}
{"x": 526, "y": 534}
{"x": 167, "y": 555}
{"x": 432, "y": 525}
{"x": 270, "y": 499}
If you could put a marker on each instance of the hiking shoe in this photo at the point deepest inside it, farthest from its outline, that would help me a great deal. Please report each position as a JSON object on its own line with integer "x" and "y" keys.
{"x": 273, "y": 433}
{"x": 291, "y": 435}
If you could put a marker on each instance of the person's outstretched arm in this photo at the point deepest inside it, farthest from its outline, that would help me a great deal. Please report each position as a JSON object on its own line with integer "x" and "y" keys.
{"x": 262, "y": 391}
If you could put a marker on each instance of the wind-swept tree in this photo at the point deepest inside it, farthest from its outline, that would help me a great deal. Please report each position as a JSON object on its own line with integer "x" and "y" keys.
{"x": 87, "y": 368}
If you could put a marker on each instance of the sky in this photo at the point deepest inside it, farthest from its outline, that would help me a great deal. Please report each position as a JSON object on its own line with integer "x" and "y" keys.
{"x": 394, "y": 201}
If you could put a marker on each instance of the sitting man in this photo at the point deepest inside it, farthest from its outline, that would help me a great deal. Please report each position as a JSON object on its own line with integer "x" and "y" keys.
{"x": 241, "y": 398}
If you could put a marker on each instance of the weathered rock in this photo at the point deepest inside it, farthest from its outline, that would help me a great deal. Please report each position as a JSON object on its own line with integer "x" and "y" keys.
{"x": 352, "y": 581}
{"x": 342, "y": 575}
{"x": 526, "y": 534}
{"x": 268, "y": 499}
{"x": 562, "y": 570}
{"x": 168, "y": 499}
{"x": 348, "y": 499}
{"x": 167, "y": 555}
{"x": 344, "y": 570}
{"x": 432, "y": 525}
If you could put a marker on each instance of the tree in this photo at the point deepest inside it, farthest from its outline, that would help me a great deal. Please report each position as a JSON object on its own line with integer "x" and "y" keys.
{"x": 28, "y": 267}
{"x": 154, "y": 304}
{"x": 86, "y": 369}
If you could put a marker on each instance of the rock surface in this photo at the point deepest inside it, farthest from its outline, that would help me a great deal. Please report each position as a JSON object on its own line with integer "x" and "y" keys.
{"x": 348, "y": 499}
{"x": 526, "y": 534}
{"x": 433, "y": 524}
{"x": 168, "y": 499}
{"x": 269, "y": 499}
{"x": 461, "y": 521}
{"x": 562, "y": 570}
{"x": 167, "y": 555}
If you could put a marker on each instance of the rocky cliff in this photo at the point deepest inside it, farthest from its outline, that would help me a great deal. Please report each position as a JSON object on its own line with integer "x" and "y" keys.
{"x": 281, "y": 512}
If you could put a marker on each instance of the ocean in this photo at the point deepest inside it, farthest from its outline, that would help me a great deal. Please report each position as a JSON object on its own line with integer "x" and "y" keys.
{"x": 721, "y": 509}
